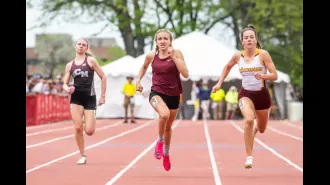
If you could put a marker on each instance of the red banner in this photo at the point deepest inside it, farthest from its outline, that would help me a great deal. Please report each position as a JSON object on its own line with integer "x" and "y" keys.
{"x": 42, "y": 109}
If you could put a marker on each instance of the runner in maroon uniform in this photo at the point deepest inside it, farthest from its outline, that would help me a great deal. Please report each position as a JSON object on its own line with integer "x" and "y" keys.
{"x": 167, "y": 64}
{"x": 83, "y": 98}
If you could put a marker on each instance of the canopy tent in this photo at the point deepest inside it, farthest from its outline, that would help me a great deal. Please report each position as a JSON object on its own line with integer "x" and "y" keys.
{"x": 121, "y": 67}
{"x": 116, "y": 73}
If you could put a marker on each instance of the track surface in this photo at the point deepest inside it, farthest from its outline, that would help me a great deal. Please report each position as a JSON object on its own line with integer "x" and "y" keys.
{"x": 202, "y": 152}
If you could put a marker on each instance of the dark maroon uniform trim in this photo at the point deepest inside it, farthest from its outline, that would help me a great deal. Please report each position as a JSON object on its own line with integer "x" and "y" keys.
{"x": 83, "y": 77}
{"x": 261, "y": 99}
{"x": 165, "y": 77}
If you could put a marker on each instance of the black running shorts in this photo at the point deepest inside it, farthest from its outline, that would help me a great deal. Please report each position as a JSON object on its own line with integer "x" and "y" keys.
{"x": 172, "y": 102}
{"x": 84, "y": 99}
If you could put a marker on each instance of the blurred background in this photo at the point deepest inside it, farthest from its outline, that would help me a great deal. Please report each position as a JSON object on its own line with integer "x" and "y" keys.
{"x": 121, "y": 33}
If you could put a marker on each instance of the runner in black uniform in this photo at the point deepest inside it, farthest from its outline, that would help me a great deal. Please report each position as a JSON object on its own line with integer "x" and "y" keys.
{"x": 83, "y": 98}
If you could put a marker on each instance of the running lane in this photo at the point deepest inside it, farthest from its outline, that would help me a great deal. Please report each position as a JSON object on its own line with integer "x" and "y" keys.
{"x": 228, "y": 143}
{"x": 296, "y": 124}
{"x": 48, "y": 134}
{"x": 286, "y": 129}
{"x": 45, "y": 153}
{"x": 104, "y": 161}
{"x": 288, "y": 147}
{"x": 189, "y": 157}
{"x": 39, "y": 128}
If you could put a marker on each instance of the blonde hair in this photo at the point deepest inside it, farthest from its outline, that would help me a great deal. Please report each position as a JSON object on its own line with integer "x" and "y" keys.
{"x": 251, "y": 27}
{"x": 88, "y": 52}
{"x": 162, "y": 30}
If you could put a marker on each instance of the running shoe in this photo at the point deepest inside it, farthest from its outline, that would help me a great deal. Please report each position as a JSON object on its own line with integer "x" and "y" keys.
{"x": 159, "y": 150}
{"x": 82, "y": 160}
{"x": 248, "y": 162}
{"x": 166, "y": 162}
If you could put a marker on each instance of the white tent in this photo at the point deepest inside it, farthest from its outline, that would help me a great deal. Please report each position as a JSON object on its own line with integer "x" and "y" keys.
{"x": 205, "y": 58}
{"x": 116, "y": 73}
{"x": 116, "y": 68}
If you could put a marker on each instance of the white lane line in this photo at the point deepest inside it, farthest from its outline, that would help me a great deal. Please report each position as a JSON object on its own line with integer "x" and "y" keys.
{"x": 211, "y": 154}
{"x": 91, "y": 146}
{"x": 68, "y": 136}
{"x": 135, "y": 160}
{"x": 270, "y": 149}
{"x": 285, "y": 134}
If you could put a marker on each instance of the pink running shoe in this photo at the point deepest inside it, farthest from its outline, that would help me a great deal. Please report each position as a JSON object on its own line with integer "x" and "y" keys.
{"x": 159, "y": 150}
{"x": 166, "y": 162}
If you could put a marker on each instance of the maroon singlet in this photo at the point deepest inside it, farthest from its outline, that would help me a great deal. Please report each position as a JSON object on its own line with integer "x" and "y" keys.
{"x": 165, "y": 77}
{"x": 83, "y": 76}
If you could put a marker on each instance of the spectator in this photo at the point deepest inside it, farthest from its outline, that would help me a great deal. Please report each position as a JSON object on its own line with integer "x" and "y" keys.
{"x": 204, "y": 98}
{"x": 37, "y": 84}
{"x": 231, "y": 100}
{"x": 194, "y": 93}
{"x": 129, "y": 91}
{"x": 218, "y": 103}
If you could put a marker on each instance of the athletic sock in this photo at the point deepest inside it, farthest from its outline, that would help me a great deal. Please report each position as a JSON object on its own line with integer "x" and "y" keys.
{"x": 160, "y": 139}
{"x": 166, "y": 149}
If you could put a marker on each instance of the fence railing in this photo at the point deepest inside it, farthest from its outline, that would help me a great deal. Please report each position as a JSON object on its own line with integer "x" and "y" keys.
{"x": 41, "y": 109}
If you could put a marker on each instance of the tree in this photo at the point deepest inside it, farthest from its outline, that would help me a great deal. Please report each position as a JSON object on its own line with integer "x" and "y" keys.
{"x": 125, "y": 17}
{"x": 135, "y": 19}
{"x": 54, "y": 50}
{"x": 279, "y": 27}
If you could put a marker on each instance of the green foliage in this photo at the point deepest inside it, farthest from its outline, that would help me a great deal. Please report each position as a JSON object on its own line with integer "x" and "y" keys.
{"x": 53, "y": 50}
{"x": 279, "y": 26}
{"x": 114, "y": 53}
{"x": 282, "y": 21}
{"x": 60, "y": 68}
{"x": 279, "y": 23}
{"x": 102, "y": 63}
{"x": 137, "y": 20}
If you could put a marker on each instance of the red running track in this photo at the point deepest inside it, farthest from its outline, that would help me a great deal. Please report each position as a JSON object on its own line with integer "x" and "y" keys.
{"x": 123, "y": 154}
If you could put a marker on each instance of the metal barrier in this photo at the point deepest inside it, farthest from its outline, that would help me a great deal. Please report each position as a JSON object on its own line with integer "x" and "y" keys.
{"x": 41, "y": 109}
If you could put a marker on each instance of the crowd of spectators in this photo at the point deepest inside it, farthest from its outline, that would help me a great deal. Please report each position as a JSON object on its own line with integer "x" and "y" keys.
{"x": 37, "y": 84}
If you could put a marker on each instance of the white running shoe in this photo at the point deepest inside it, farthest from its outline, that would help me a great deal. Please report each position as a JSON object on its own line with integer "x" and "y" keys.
{"x": 82, "y": 160}
{"x": 248, "y": 162}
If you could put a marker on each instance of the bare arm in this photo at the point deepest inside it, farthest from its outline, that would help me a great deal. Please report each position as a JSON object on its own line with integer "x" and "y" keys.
{"x": 145, "y": 66}
{"x": 180, "y": 63}
{"x": 66, "y": 78}
{"x": 270, "y": 66}
{"x": 96, "y": 67}
{"x": 227, "y": 68}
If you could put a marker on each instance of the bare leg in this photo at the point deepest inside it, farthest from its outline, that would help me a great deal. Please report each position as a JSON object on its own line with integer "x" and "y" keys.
{"x": 168, "y": 131}
{"x": 247, "y": 109}
{"x": 132, "y": 113}
{"x": 262, "y": 119}
{"x": 90, "y": 122}
{"x": 164, "y": 113}
{"x": 77, "y": 117}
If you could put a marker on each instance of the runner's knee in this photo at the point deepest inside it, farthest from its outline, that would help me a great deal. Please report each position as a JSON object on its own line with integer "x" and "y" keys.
{"x": 165, "y": 115}
{"x": 78, "y": 126}
{"x": 89, "y": 131}
{"x": 249, "y": 120}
